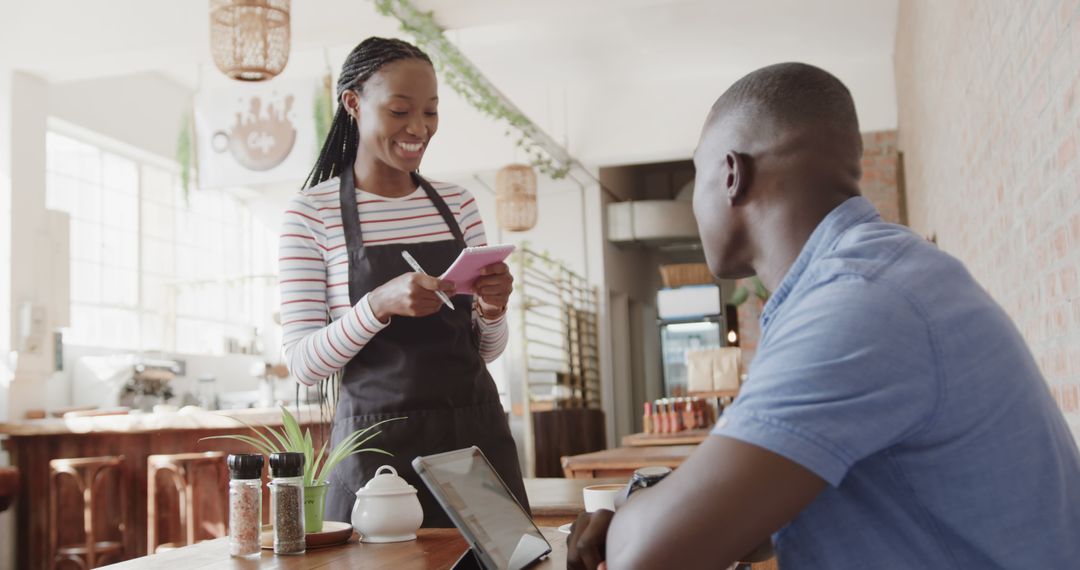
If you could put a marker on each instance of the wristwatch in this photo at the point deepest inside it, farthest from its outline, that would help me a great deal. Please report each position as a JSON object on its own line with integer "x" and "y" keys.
{"x": 645, "y": 477}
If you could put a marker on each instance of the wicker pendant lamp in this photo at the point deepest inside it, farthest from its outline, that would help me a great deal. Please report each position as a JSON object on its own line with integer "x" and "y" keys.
{"x": 515, "y": 197}
{"x": 250, "y": 38}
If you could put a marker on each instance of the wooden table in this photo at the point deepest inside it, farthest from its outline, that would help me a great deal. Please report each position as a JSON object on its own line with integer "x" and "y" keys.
{"x": 433, "y": 549}
{"x": 622, "y": 461}
{"x": 688, "y": 437}
{"x": 556, "y": 501}
{"x": 32, "y": 444}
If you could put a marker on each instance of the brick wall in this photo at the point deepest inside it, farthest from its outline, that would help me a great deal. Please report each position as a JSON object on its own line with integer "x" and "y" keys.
{"x": 879, "y": 174}
{"x": 749, "y": 324}
{"x": 988, "y": 95}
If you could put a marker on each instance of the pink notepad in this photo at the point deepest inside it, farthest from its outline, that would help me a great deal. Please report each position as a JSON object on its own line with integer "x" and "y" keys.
{"x": 466, "y": 268}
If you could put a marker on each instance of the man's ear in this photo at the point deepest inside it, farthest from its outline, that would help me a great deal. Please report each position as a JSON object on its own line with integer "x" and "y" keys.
{"x": 737, "y": 179}
{"x": 351, "y": 101}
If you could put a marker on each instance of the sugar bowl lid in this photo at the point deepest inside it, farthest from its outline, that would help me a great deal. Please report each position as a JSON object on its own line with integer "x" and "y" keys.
{"x": 385, "y": 483}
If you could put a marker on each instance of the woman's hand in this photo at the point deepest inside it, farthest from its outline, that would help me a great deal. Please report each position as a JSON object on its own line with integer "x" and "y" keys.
{"x": 408, "y": 295}
{"x": 493, "y": 289}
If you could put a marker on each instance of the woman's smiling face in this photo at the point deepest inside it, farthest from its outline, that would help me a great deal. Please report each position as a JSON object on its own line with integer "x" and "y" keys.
{"x": 398, "y": 113}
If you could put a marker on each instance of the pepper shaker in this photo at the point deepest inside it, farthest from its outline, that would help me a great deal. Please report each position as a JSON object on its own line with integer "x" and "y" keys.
{"x": 287, "y": 502}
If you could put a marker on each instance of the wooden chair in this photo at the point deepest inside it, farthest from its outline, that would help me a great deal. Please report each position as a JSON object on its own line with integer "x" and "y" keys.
{"x": 197, "y": 497}
{"x": 87, "y": 475}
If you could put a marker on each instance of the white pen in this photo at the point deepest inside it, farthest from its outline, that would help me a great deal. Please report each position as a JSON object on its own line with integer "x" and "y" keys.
{"x": 416, "y": 267}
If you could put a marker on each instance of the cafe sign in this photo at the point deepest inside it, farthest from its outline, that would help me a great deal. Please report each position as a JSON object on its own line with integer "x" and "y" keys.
{"x": 255, "y": 133}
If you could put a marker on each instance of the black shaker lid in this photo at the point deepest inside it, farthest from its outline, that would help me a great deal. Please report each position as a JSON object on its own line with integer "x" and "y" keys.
{"x": 288, "y": 464}
{"x": 245, "y": 466}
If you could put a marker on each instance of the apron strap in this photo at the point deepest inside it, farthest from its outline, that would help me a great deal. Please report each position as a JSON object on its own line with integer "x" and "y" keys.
{"x": 350, "y": 217}
{"x": 440, "y": 205}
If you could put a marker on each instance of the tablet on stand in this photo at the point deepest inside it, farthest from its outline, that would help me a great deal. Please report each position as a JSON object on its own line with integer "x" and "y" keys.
{"x": 500, "y": 533}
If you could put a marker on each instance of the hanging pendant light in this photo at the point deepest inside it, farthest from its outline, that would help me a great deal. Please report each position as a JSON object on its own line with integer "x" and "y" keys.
{"x": 250, "y": 38}
{"x": 515, "y": 197}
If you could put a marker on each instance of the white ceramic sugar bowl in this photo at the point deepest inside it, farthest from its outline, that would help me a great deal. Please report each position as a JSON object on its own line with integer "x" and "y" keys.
{"x": 386, "y": 509}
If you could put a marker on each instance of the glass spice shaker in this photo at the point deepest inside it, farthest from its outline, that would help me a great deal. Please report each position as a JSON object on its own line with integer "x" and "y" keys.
{"x": 245, "y": 504}
{"x": 287, "y": 502}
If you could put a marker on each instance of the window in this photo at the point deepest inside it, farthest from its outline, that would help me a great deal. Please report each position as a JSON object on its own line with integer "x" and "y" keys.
{"x": 152, "y": 269}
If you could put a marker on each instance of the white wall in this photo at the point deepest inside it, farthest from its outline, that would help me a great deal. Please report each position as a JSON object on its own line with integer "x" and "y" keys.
{"x": 5, "y": 235}
{"x": 28, "y": 218}
{"x": 144, "y": 110}
{"x": 7, "y": 518}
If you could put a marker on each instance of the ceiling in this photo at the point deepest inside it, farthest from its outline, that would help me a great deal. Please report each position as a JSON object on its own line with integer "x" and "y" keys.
{"x": 617, "y": 81}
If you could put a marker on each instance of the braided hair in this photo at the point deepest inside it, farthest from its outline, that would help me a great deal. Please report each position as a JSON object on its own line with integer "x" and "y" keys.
{"x": 339, "y": 148}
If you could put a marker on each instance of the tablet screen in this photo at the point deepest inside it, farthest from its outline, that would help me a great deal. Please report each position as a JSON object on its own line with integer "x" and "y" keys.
{"x": 482, "y": 507}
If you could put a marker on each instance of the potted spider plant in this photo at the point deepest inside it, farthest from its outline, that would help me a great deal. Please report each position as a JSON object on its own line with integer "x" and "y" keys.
{"x": 746, "y": 287}
{"x": 317, "y": 465}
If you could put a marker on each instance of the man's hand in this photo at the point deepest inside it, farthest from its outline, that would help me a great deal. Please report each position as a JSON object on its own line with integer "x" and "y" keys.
{"x": 588, "y": 539}
{"x": 493, "y": 289}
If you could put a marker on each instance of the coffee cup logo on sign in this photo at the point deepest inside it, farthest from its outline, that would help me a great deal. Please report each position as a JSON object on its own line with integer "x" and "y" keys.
{"x": 256, "y": 140}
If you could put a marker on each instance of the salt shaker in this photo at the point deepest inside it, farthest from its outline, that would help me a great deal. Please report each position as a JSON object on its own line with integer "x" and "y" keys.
{"x": 245, "y": 504}
{"x": 287, "y": 502}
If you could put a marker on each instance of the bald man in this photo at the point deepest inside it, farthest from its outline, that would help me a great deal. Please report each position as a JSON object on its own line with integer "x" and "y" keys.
{"x": 893, "y": 417}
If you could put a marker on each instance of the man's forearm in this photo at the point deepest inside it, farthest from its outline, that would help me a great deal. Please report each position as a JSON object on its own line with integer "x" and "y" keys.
{"x": 724, "y": 501}
{"x": 645, "y": 534}
{"x": 633, "y": 540}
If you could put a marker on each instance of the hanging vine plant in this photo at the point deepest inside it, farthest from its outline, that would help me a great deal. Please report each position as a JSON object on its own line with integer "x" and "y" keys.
{"x": 467, "y": 81}
{"x": 324, "y": 111}
{"x": 185, "y": 152}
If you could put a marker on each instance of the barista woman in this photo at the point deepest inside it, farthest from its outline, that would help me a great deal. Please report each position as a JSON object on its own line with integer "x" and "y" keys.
{"x": 350, "y": 302}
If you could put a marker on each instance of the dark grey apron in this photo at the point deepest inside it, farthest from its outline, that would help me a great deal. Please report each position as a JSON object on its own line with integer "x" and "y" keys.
{"x": 427, "y": 369}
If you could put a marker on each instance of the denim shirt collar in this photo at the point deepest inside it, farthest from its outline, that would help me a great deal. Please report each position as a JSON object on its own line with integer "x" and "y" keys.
{"x": 853, "y": 211}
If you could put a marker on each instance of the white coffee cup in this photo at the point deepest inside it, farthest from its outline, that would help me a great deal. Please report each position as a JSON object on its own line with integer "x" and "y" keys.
{"x": 601, "y": 496}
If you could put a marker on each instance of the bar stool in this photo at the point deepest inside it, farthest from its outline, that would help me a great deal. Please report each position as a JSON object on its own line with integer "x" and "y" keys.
{"x": 87, "y": 474}
{"x": 192, "y": 491}
{"x": 9, "y": 486}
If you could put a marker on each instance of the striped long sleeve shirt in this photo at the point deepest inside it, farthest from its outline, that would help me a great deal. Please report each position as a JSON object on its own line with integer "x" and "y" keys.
{"x": 321, "y": 329}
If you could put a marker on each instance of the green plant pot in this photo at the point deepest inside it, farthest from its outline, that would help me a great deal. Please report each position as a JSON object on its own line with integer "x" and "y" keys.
{"x": 314, "y": 506}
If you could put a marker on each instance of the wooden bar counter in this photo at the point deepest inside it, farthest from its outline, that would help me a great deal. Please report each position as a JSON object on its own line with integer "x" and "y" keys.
{"x": 556, "y": 501}
{"x": 33, "y": 443}
{"x": 434, "y": 549}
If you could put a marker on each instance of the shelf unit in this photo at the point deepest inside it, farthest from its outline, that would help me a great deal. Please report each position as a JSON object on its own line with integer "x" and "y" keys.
{"x": 558, "y": 336}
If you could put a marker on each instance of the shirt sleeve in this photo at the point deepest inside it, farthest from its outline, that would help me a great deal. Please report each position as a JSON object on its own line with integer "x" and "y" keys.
{"x": 494, "y": 333}
{"x": 315, "y": 348}
{"x": 493, "y": 336}
{"x": 848, "y": 371}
